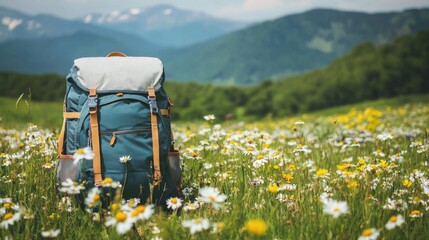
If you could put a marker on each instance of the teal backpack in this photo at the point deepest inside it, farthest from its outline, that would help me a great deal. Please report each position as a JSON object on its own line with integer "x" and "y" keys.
{"x": 117, "y": 106}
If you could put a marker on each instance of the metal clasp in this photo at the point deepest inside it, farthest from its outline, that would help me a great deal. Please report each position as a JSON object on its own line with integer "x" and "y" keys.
{"x": 92, "y": 102}
{"x": 152, "y": 105}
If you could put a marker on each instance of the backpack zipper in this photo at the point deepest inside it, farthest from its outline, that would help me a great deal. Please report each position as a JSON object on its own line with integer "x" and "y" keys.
{"x": 121, "y": 132}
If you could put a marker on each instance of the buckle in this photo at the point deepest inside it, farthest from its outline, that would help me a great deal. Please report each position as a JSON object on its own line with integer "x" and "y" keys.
{"x": 152, "y": 105}
{"x": 92, "y": 102}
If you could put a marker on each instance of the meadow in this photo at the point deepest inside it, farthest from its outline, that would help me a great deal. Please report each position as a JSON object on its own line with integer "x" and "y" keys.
{"x": 357, "y": 172}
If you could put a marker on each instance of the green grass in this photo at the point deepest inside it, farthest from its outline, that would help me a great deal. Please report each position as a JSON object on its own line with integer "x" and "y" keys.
{"x": 43, "y": 114}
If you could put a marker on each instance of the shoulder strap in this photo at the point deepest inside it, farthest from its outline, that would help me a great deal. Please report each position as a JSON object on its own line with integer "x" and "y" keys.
{"x": 155, "y": 139}
{"x": 95, "y": 135}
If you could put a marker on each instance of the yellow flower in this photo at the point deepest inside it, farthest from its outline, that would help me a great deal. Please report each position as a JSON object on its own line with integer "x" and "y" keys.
{"x": 287, "y": 177}
{"x": 273, "y": 188}
{"x": 292, "y": 167}
{"x": 256, "y": 227}
{"x": 407, "y": 183}
{"x": 383, "y": 164}
{"x": 321, "y": 172}
{"x": 352, "y": 184}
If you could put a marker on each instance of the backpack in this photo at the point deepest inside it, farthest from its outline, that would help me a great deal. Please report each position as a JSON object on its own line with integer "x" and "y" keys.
{"x": 117, "y": 106}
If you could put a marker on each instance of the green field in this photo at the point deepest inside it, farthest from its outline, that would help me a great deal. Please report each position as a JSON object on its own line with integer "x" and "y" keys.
{"x": 49, "y": 114}
{"x": 342, "y": 173}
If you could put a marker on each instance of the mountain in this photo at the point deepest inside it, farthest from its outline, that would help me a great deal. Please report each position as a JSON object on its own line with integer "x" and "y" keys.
{"x": 288, "y": 45}
{"x": 165, "y": 25}
{"x": 56, "y": 54}
{"x": 44, "y": 43}
{"x": 17, "y": 25}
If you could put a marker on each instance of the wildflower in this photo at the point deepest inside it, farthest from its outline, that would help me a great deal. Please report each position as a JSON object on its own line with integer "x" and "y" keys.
{"x": 369, "y": 234}
{"x": 108, "y": 182}
{"x": 51, "y": 233}
{"x": 218, "y": 227}
{"x": 256, "y": 227}
{"x": 191, "y": 206}
{"x": 407, "y": 183}
{"x": 335, "y": 208}
{"x": 273, "y": 188}
{"x": 213, "y": 196}
{"x": 288, "y": 187}
{"x": 83, "y": 153}
{"x": 124, "y": 159}
{"x": 322, "y": 173}
{"x": 122, "y": 221}
{"x": 196, "y": 225}
{"x": 9, "y": 214}
{"x": 71, "y": 187}
{"x": 93, "y": 197}
{"x": 143, "y": 212}
{"x": 385, "y": 136}
{"x": 287, "y": 177}
{"x": 416, "y": 214}
{"x": 209, "y": 117}
{"x": 48, "y": 165}
{"x": 394, "y": 221}
{"x": 174, "y": 203}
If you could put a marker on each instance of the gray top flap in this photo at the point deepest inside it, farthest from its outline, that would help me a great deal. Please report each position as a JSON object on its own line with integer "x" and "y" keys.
{"x": 119, "y": 73}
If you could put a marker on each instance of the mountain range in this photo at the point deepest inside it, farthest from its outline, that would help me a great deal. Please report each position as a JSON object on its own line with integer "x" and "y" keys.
{"x": 289, "y": 45}
{"x": 165, "y": 24}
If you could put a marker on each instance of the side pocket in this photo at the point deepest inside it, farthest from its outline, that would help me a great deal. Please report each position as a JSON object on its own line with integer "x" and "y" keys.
{"x": 66, "y": 169}
{"x": 175, "y": 169}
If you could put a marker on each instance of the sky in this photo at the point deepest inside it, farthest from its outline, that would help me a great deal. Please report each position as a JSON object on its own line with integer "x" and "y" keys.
{"x": 244, "y": 10}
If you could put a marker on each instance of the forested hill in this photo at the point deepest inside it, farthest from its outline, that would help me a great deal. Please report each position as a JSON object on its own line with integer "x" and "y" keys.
{"x": 367, "y": 72}
{"x": 289, "y": 45}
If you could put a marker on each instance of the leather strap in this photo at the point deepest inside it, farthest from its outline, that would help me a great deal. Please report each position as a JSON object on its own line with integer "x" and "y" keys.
{"x": 71, "y": 115}
{"x": 164, "y": 112}
{"x": 95, "y": 135}
{"x": 68, "y": 157}
{"x": 155, "y": 140}
{"x": 61, "y": 139}
{"x": 116, "y": 54}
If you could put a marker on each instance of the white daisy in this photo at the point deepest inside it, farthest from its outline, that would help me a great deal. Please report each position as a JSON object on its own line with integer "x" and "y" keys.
{"x": 71, "y": 187}
{"x": 122, "y": 220}
{"x": 174, "y": 203}
{"x": 209, "y": 117}
{"x": 369, "y": 234}
{"x": 125, "y": 159}
{"x": 108, "y": 182}
{"x": 93, "y": 197}
{"x": 395, "y": 221}
{"x": 143, "y": 212}
{"x": 335, "y": 208}
{"x": 51, "y": 233}
{"x": 196, "y": 225}
{"x": 9, "y": 215}
{"x": 83, "y": 153}
{"x": 212, "y": 195}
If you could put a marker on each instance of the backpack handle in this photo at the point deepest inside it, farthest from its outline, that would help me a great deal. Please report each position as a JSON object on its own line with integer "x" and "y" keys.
{"x": 116, "y": 54}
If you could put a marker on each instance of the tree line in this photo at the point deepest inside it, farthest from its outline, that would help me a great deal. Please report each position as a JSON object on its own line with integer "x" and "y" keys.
{"x": 367, "y": 72}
